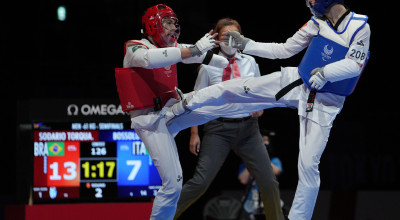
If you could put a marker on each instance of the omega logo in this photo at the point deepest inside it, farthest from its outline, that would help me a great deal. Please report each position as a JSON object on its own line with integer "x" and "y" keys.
{"x": 97, "y": 109}
{"x": 72, "y": 109}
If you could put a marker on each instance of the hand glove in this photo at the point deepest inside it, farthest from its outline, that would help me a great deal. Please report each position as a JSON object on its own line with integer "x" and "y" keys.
{"x": 317, "y": 80}
{"x": 235, "y": 39}
{"x": 203, "y": 45}
{"x": 218, "y": 61}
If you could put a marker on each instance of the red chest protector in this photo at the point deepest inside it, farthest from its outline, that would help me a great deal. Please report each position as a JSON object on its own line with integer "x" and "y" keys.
{"x": 140, "y": 88}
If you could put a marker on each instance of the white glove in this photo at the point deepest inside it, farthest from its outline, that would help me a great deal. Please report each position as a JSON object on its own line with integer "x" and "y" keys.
{"x": 218, "y": 61}
{"x": 203, "y": 45}
{"x": 235, "y": 39}
{"x": 317, "y": 80}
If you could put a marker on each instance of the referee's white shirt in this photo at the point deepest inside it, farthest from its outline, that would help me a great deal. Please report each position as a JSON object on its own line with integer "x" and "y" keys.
{"x": 209, "y": 75}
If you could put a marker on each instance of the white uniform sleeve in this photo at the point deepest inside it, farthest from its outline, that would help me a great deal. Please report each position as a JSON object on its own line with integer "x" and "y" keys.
{"x": 151, "y": 58}
{"x": 202, "y": 80}
{"x": 355, "y": 59}
{"x": 135, "y": 59}
{"x": 216, "y": 60}
{"x": 195, "y": 59}
{"x": 300, "y": 40}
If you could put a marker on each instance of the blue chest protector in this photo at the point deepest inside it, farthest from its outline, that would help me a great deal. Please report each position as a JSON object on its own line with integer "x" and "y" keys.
{"x": 323, "y": 51}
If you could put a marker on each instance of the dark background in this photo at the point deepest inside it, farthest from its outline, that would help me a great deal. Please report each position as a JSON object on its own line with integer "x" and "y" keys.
{"x": 42, "y": 57}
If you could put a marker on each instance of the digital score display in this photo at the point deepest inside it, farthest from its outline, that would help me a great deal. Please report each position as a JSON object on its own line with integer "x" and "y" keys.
{"x": 91, "y": 164}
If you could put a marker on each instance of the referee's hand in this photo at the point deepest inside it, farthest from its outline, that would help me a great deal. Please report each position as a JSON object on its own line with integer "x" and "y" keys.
{"x": 194, "y": 145}
{"x": 257, "y": 114}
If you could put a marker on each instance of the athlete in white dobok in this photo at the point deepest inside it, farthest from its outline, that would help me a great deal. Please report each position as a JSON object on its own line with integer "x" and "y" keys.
{"x": 148, "y": 82}
{"x": 338, "y": 42}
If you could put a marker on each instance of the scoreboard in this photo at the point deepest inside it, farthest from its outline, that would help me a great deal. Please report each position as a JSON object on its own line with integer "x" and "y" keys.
{"x": 91, "y": 161}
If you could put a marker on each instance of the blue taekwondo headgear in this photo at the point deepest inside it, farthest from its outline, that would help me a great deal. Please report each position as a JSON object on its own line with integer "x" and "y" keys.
{"x": 319, "y": 7}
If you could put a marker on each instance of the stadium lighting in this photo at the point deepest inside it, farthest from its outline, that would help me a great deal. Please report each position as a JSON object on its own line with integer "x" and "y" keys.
{"x": 61, "y": 13}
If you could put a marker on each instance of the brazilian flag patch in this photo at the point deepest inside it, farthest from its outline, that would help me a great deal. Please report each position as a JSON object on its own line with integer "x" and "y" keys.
{"x": 135, "y": 47}
{"x": 56, "y": 148}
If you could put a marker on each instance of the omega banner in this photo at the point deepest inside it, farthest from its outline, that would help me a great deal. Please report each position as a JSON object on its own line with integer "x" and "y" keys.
{"x": 73, "y": 109}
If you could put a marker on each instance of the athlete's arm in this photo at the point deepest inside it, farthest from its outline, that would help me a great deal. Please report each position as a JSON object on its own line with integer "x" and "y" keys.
{"x": 353, "y": 63}
{"x": 189, "y": 58}
{"x": 140, "y": 56}
{"x": 349, "y": 67}
{"x": 293, "y": 45}
{"x": 161, "y": 57}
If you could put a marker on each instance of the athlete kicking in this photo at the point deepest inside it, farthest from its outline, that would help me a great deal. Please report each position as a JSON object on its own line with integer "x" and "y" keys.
{"x": 338, "y": 42}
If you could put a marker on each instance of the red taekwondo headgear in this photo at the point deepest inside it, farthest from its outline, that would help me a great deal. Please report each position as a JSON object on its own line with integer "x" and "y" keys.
{"x": 154, "y": 24}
